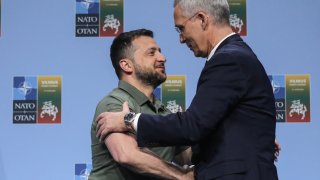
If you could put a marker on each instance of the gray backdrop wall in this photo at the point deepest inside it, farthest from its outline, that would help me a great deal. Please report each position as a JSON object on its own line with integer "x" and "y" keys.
{"x": 38, "y": 38}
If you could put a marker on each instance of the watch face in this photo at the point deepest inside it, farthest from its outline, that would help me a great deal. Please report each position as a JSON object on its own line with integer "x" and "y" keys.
{"x": 129, "y": 117}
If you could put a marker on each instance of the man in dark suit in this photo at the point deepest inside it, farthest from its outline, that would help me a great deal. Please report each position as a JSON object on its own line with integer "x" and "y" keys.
{"x": 231, "y": 120}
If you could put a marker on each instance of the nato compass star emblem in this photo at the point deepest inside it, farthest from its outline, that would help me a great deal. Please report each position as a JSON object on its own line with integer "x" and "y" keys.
{"x": 25, "y": 88}
{"x": 275, "y": 86}
{"x": 87, "y": 3}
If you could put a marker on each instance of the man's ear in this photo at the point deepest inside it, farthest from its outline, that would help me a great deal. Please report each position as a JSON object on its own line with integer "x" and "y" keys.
{"x": 204, "y": 20}
{"x": 126, "y": 65}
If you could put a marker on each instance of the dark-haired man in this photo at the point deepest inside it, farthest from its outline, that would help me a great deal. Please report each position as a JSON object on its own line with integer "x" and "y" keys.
{"x": 140, "y": 67}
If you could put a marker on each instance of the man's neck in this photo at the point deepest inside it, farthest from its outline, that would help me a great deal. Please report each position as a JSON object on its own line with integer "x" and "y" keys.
{"x": 147, "y": 90}
{"x": 216, "y": 35}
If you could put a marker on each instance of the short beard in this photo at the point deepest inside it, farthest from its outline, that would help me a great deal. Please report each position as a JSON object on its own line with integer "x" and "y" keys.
{"x": 153, "y": 79}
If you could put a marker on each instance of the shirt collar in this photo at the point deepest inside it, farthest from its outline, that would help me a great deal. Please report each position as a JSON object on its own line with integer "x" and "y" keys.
{"x": 134, "y": 92}
{"x": 216, "y": 46}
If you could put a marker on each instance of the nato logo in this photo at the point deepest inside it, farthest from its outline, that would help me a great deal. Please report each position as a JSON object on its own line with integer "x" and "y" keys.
{"x": 278, "y": 87}
{"x": 82, "y": 171}
{"x": 87, "y": 18}
{"x": 25, "y": 88}
{"x": 24, "y": 100}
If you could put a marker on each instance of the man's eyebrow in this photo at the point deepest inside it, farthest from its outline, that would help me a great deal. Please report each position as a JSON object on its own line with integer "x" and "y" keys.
{"x": 154, "y": 49}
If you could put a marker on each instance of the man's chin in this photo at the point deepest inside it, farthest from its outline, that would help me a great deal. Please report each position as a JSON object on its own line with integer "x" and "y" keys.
{"x": 199, "y": 54}
{"x": 196, "y": 54}
{"x": 162, "y": 77}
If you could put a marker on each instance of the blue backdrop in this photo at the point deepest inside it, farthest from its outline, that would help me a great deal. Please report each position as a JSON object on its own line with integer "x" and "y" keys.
{"x": 38, "y": 38}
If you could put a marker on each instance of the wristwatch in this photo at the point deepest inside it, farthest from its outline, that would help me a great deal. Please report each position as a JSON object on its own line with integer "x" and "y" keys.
{"x": 128, "y": 120}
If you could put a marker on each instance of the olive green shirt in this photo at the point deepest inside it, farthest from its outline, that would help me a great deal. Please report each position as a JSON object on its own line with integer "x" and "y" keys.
{"x": 104, "y": 166}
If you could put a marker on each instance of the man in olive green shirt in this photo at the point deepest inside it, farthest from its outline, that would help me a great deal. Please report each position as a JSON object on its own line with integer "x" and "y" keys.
{"x": 139, "y": 65}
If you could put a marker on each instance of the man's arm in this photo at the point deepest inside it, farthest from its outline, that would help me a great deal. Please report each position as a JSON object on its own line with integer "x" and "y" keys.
{"x": 183, "y": 158}
{"x": 216, "y": 93}
{"x": 124, "y": 150}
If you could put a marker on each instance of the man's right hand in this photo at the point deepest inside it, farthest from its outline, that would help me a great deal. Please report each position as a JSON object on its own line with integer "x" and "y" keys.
{"x": 109, "y": 122}
{"x": 277, "y": 150}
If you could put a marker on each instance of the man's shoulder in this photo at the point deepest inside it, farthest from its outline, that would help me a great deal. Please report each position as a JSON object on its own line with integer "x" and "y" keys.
{"x": 234, "y": 51}
{"x": 116, "y": 98}
{"x": 116, "y": 95}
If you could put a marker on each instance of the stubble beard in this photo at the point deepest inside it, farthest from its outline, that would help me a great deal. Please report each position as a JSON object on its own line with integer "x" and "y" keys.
{"x": 149, "y": 77}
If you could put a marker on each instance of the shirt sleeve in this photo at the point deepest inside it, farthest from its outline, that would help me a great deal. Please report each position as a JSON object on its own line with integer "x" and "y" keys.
{"x": 135, "y": 122}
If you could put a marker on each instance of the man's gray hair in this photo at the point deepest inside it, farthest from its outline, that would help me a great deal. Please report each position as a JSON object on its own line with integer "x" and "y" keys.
{"x": 218, "y": 9}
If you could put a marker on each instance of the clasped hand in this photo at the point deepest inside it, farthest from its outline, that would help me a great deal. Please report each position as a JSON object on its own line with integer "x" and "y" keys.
{"x": 109, "y": 122}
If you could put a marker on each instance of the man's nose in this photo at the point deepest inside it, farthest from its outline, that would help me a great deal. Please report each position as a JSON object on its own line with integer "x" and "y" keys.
{"x": 181, "y": 38}
{"x": 162, "y": 57}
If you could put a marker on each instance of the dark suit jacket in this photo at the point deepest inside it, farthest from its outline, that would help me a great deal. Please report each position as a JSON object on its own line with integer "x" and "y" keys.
{"x": 230, "y": 122}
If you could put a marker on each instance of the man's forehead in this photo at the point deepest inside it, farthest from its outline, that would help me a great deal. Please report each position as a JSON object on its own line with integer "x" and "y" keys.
{"x": 143, "y": 39}
{"x": 178, "y": 14}
{"x": 145, "y": 42}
